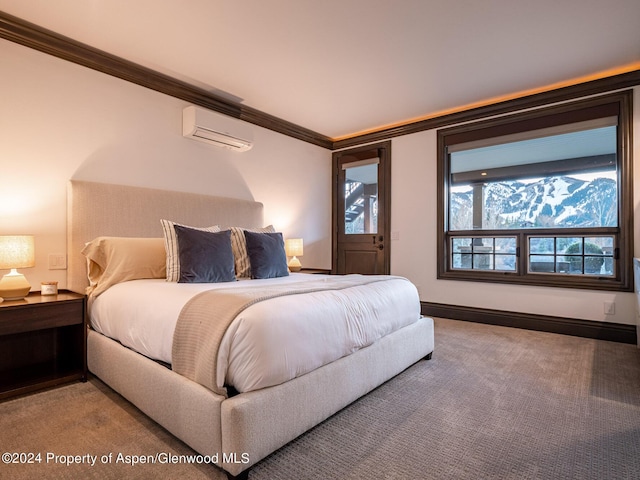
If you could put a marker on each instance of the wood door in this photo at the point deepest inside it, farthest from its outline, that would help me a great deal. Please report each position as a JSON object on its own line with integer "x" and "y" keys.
{"x": 361, "y": 209}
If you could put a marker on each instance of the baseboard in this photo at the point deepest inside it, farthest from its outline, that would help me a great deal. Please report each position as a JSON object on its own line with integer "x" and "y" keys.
{"x": 615, "y": 332}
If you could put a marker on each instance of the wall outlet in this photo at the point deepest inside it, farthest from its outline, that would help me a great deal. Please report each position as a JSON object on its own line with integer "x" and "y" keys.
{"x": 609, "y": 308}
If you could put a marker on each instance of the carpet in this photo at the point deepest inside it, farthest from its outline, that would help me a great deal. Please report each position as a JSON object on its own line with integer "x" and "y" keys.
{"x": 493, "y": 403}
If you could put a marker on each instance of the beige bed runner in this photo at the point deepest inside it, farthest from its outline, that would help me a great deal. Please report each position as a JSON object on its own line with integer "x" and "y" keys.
{"x": 205, "y": 318}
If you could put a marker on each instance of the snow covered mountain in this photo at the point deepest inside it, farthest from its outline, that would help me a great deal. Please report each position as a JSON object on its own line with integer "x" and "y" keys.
{"x": 550, "y": 202}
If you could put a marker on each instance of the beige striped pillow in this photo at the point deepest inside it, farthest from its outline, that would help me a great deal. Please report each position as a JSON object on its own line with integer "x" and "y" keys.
{"x": 171, "y": 246}
{"x": 239, "y": 247}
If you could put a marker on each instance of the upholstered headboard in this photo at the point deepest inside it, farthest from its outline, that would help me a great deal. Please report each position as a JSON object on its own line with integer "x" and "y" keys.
{"x": 99, "y": 209}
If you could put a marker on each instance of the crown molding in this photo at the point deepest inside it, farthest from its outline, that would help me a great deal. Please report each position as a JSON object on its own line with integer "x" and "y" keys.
{"x": 33, "y": 36}
{"x": 29, "y": 35}
{"x": 571, "y": 92}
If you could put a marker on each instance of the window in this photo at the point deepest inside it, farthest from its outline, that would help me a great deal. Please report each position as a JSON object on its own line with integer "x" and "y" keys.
{"x": 361, "y": 196}
{"x": 541, "y": 197}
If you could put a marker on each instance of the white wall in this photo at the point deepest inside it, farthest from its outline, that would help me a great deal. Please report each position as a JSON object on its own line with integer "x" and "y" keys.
{"x": 60, "y": 121}
{"x": 414, "y": 213}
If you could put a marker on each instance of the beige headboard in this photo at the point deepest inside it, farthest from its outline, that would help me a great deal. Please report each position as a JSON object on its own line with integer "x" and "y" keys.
{"x": 99, "y": 209}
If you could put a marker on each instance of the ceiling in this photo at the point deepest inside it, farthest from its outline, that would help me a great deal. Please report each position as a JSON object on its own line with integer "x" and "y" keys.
{"x": 345, "y": 67}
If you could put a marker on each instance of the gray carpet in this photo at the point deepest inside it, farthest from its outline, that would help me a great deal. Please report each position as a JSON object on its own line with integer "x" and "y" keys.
{"x": 494, "y": 402}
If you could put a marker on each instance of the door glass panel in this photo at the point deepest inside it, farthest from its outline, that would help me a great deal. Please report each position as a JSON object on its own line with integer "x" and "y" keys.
{"x": 361, "y": 197}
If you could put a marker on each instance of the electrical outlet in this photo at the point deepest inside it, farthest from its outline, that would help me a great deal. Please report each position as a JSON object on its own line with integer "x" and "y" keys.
{"x": 609, "y": 308}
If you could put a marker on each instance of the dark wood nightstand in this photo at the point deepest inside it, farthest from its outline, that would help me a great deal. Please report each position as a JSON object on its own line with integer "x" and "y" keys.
{"x": 315, "y": 271}
{"x": 43, "y": 342}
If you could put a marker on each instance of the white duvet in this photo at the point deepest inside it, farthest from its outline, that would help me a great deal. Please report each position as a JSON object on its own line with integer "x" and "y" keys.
{"x": 270, "y": 342}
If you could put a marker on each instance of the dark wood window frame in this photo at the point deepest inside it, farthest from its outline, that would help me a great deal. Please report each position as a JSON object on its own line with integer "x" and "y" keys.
{"x": 570, "y": 112}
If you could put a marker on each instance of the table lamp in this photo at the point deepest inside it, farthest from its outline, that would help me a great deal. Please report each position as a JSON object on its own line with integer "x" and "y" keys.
{"x": 293, "y": 248}
{"x": 16, "y": 251}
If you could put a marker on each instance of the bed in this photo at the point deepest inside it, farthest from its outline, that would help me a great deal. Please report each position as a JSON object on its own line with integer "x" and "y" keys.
{"x": 235, "y": 424}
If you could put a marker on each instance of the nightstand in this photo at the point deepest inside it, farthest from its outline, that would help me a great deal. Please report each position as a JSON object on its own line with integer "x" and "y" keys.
{"x": 315, "y": 271}
{"x": 43, "y": 342}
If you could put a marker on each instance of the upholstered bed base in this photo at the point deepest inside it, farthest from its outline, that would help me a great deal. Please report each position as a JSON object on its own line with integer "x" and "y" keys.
{"x": 252, "y": 425}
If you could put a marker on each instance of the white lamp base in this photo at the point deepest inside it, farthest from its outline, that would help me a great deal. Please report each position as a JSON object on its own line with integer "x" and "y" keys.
{"x": 294, "y": 264}
{"x": 14, "y": 286}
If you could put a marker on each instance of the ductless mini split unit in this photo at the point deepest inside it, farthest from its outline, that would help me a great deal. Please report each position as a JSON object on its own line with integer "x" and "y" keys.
{"x": 216, "y": 129}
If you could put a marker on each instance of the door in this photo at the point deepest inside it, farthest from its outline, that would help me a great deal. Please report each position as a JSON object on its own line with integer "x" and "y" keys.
{"x": 361, "y": 209}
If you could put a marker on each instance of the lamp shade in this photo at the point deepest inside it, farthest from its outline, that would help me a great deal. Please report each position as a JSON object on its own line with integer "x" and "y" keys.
{"x": 293, "y": 247}
{"x": 17, "y": 251}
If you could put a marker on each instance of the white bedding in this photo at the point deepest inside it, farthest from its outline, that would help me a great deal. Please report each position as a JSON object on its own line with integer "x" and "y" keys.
{"x": 270, "y": 342}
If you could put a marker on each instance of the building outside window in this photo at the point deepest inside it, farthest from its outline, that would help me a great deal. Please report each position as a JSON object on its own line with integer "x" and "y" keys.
{"x": 541, "y": 197}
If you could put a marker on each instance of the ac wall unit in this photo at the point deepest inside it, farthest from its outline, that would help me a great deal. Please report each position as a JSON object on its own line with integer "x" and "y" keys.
{"x": 216, "y": 129}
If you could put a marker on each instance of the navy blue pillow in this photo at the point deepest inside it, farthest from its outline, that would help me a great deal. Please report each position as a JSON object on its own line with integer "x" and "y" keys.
{"x": 205, "y": 257}
{"x": 266, "y": 255}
